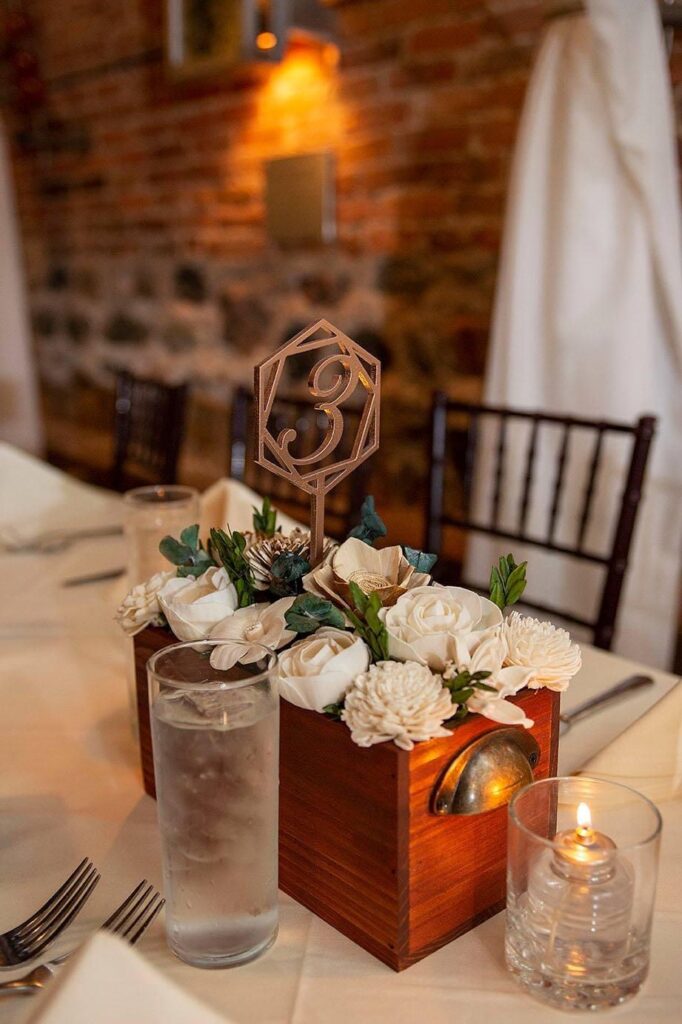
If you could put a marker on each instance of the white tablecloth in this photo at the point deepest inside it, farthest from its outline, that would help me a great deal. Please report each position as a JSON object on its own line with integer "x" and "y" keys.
{"x": 70, "y": 786}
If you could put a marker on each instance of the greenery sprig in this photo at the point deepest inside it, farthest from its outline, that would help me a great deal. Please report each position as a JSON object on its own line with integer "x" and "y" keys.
{"x": 228, "y": 549}
{"x": 462, "y": 686}
{"x": 364, "y": 617}
{"x": 309, "y": 612}
{"x": 371, "y": 525}
{"x": 507, "y": 581}
{"x": 265, "y": 519}
{"x": 334, "y": 710}
{"x": 188, "y": 553}
{"x": 286, "y": 574}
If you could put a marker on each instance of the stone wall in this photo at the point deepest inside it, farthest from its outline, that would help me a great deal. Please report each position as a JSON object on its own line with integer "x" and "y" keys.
{"x": 141, "y": 197}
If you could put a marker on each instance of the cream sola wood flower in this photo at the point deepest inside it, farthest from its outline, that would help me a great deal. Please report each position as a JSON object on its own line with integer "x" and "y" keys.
{"x": 431, "y": 624}
{"x": 248, "y": 630}
{"x": 141, "y": 606}
{"x": 489, "y": 655}
{"x": 385, "y": 571}
{"x": 318, "y": 669}
{"x": 400, "y": 701}
{"x": 542, "y": 647}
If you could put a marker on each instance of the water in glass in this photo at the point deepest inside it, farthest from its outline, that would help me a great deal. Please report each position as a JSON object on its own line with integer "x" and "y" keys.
{"x": 217, "y": 770}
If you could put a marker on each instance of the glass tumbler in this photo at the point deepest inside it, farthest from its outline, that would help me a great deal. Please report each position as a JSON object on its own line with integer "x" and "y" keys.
{"x": 215, "y": 737}
{"x": 581, "y": 881}
{"x": 151, "y": 513}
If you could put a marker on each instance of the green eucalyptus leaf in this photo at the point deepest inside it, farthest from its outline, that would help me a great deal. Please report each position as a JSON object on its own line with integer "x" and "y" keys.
{"x": 421, "y": 560}
{"x": 191, "y": 570}
{"x": 290, "y": 566}
{"x": 309, "y": 612}
{"x": 190, "y": 537}
{"x": 371, "y": 525}
{"x": 287, "y": 572}
{"x": 174, "y": 551}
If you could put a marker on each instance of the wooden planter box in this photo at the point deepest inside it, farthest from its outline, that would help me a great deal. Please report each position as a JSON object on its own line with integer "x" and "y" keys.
{"x": 359, "y": 842}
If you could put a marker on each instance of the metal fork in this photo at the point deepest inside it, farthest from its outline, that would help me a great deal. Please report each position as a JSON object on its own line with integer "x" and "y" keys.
{"x": 32, "y": 936}
{"x": 129, "y": 921}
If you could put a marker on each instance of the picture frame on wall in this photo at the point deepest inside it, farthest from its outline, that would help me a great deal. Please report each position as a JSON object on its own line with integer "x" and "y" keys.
{"x": 205, "y": 36}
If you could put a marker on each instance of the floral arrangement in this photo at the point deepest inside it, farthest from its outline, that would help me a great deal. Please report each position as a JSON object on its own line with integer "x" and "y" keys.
{"x": 367, "y": 636}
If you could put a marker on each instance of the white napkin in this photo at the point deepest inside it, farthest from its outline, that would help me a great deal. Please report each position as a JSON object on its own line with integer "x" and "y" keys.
{"x": 648, "y": 755}
{"x": 231, "y": 503}
{"x": 109, "y": 983}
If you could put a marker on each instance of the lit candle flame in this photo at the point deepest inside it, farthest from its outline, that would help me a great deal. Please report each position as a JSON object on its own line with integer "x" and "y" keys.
{"x": 584, "y": 817}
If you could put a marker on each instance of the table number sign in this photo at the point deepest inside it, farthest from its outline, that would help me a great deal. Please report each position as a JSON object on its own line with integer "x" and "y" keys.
{"x": 345, "y": 374}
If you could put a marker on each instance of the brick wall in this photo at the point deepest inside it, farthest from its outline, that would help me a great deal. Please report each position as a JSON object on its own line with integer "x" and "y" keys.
{"x": 144, "y": 238}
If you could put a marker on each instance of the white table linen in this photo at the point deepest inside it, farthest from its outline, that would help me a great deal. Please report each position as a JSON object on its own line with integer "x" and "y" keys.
{"x": 70, "y": 786}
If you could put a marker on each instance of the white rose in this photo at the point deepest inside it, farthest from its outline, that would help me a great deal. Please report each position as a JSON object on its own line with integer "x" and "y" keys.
{"x": 194, "y": 606}
{"x": 249, "y": 630}
{"x": 141, "y": 605}
{"x": 317, "y": 670}
{"x": 544, "y": 648}
{"x": 433, "y": 625}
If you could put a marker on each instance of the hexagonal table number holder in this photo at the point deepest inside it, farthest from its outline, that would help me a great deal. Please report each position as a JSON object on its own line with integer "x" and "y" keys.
{"x": 344, "y": 373}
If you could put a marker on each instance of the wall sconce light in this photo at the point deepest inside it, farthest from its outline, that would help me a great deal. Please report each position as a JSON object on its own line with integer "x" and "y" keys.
{"x": 203, "y": 39}
{"x": 300, "y": 21}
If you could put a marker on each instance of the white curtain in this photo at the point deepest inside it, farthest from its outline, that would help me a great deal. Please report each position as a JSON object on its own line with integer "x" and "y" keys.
{"x": 20, "y": 422}
{"x": 588, "y": 313}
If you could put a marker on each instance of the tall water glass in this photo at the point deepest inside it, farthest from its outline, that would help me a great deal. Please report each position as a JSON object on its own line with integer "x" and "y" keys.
{"x": 151, "y": 513}
{"x": 581, "y": 881}
{"x": 216, "y": 758}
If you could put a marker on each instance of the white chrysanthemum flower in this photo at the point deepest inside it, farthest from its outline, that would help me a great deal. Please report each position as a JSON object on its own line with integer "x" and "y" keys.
{"x": 400, "y": 701}
{"x": 542, "y": 647}
{"x": 141, "y": 606}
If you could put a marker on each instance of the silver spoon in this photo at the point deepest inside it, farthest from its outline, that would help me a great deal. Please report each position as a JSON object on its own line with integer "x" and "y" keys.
{"x": 594, "y": 703}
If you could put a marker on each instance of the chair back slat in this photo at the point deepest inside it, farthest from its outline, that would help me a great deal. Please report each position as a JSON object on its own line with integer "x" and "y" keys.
{"x": 589, "y": 488}
{"x": 470, "y": 461}
{"x": 499, "y": 471}
{"x": 528, "y": 475}
{"x": 502, "y": 461}
{"x": 149, "y": 426}
{"x": 558, "y": 482}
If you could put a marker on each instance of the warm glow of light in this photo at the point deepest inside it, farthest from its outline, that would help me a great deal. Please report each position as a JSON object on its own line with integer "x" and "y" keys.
{"x": 331, "y": 55}
{"x": 300, "y": 80}
{"x": 297, "y": 106}
{"x": 266, "y": 40}
{"x": 584, "y": 817}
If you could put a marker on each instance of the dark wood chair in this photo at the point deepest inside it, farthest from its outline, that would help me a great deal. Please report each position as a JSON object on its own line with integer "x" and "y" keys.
{"x": 149, "y": 427}
{"x": 342, "y": 504}
{"x": 455, "y": 443}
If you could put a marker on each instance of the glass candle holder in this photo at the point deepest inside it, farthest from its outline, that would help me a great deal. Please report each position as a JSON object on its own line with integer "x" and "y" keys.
{"x": 581, "y": 881}
{"x": 151, "y": 513}
{"x": 215, "y": 737}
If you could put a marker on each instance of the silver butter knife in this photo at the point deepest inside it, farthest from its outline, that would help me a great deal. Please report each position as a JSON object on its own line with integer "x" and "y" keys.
{"x": 588, "y": 707}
